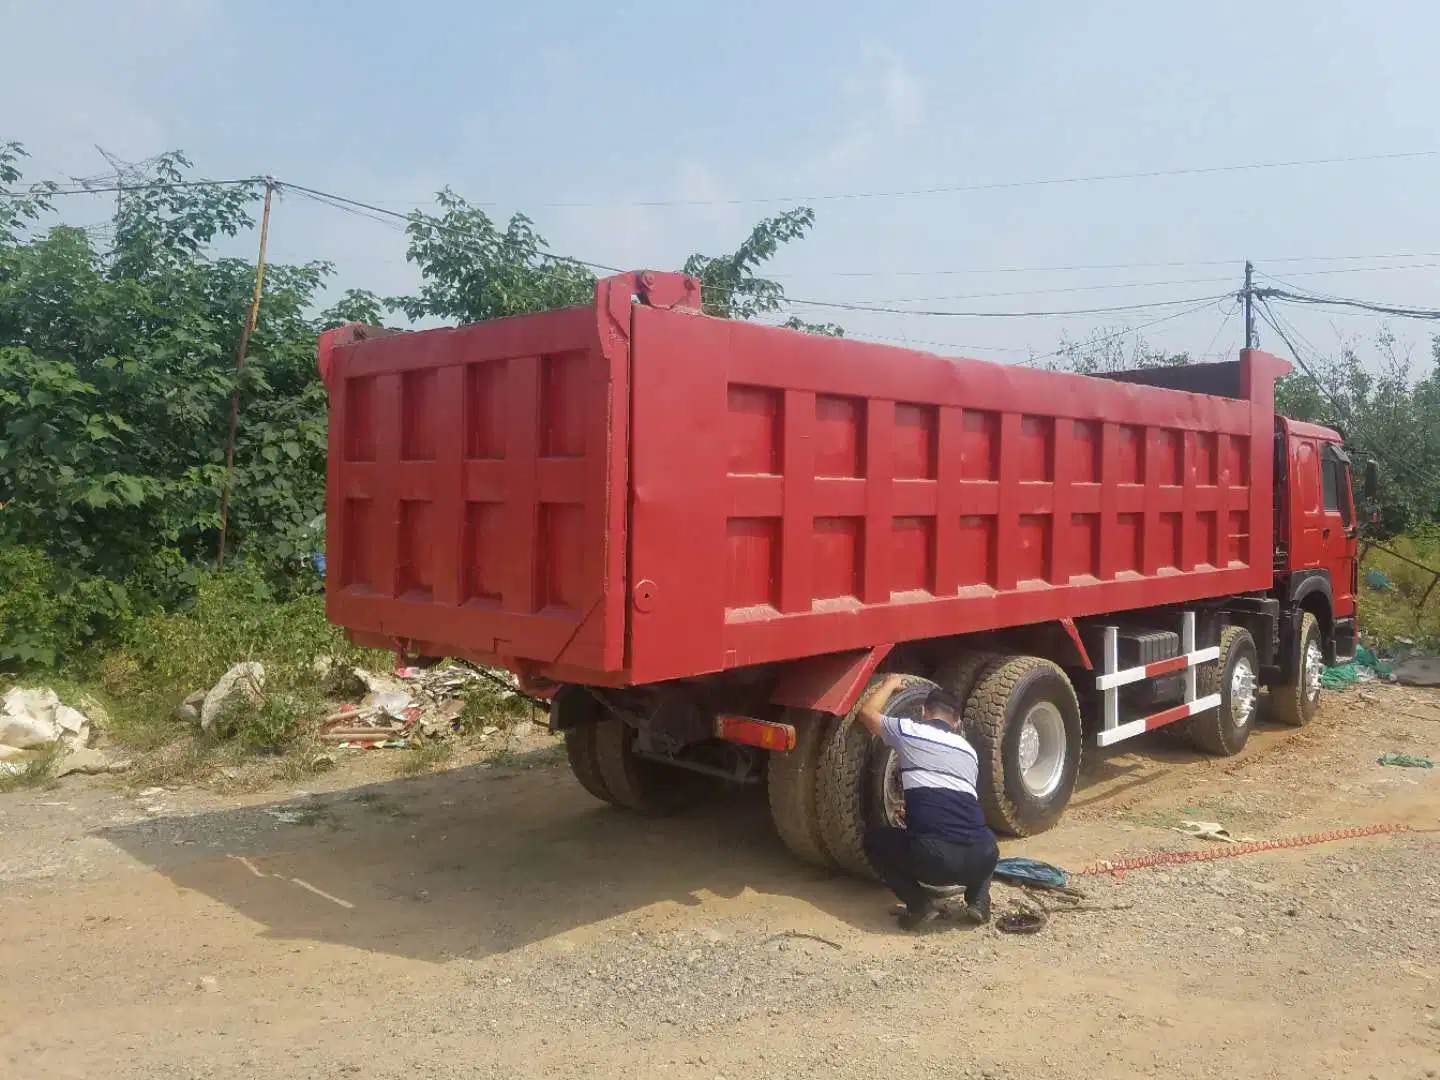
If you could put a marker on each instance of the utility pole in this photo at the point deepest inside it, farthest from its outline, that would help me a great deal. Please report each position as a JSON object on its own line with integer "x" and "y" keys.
{"x": 251, "y": 317}
{"x": 1248, "y": 295}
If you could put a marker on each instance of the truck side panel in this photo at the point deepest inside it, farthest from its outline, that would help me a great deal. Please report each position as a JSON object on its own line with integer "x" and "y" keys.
{"x": 476, "y": 489}
{"x": 794, "y": 495}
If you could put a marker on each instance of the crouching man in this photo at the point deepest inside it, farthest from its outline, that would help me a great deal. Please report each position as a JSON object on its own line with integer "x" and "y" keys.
{"x": 945, "y": 840}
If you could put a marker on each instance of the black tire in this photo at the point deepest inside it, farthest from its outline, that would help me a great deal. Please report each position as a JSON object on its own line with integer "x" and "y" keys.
{"x": 1224, "y": 731}
{"x": 880, "y": 804}
{"x": 576, "y": 712}
{"x": 1296, "y": 703}
{"x": 841, "y": 789}
{"x": 790, "y": 785}
{"x": 956, "y": 677}
{"x": 647, "y": 787}
{"x": 1006, "y": 692}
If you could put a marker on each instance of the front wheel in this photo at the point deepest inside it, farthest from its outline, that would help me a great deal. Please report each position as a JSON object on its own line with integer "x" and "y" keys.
{"x": 1297, "y": 702}
{"x": 1235, "y": 677}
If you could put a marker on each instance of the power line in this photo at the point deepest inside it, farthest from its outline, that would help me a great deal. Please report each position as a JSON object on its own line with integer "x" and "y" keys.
{"x": 1295, "y": 295}
{"x": 1118, "y": 334}
{"x": 1090, "y": 267}
{"x": 1343, "y": 414}
{"x": 879, "y": 309}
{"x": 947, "y": 189}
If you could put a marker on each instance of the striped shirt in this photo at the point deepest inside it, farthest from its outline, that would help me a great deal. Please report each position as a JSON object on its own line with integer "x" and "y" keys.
{"x": 938, "y": 771}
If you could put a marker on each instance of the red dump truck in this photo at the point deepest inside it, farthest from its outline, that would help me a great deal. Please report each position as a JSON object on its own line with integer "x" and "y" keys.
{"x": 702, "y": 538}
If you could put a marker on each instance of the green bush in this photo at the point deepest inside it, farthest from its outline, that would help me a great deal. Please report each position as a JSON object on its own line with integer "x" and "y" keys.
{"x": 46, "y": 620}
{"x": 235, "y": 617}
{"x": 1388, "y": 616}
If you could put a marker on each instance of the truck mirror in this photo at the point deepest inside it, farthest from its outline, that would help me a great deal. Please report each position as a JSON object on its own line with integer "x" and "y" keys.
{"x": 1372, "y": 481}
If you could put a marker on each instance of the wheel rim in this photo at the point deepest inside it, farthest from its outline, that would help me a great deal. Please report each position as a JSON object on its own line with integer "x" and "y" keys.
{"x": 1042, "y": 749}
{"x": 1242, "y": 692}
{"x": 894, "y": 808}
{"x": 1314, "y": 668}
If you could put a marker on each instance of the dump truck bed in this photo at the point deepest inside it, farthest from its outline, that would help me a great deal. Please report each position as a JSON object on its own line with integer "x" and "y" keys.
{"x": 632, "y": 491}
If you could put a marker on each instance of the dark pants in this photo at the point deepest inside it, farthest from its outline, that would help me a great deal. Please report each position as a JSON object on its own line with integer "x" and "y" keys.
{"x": 904, "y": 862}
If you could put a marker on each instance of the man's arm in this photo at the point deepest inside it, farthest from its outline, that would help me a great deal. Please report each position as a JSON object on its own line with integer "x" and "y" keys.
{"x": 872, "y": 705}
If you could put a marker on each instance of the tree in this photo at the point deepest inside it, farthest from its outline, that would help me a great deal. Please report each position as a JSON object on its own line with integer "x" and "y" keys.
{"x": 1105, "y": 351}
{"x": 728, "y": 284}
{"x": 1385, "y": 413}
{"x": 116, "y": 369}
{"x": 473, "y": 270}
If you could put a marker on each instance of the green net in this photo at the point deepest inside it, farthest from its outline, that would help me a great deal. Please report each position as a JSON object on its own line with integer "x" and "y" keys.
{"x": 1366, "y": 665}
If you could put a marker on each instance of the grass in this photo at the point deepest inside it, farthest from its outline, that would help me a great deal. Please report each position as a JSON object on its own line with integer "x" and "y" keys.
{"x": 1387, "y": 617}
{"x": 166, "y": 657}
{"x": 426, "y": 757}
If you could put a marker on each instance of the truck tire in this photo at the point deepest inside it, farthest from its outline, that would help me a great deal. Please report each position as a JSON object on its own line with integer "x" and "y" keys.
{"x": 791, "y": 787}
{"x": 1296, "y": 703}
{"x": 647, "y": 787}
{"x": 576, "y": 713}
{"x": 1024, "y": 722}
{"x": 1235, "y": 677}
{"x": 886, "y": 798}
{"x": 846, "y": 810}
{"x": 959, "y": 676}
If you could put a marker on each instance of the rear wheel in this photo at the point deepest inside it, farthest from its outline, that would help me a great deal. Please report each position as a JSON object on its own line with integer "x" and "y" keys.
{"x": 1235, "y": 677}
{"x": 885, "y": 793}
{"x": 647, "y": 787}
{"x": 844, "y": 792}
{"x": 791, "y": 787}
{"x": 1024, "y": 722}
{"x": 1297, "y": 702}
{"x": 576, "y": 712}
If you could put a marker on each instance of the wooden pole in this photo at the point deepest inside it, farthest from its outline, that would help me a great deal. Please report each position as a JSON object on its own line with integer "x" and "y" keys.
{"x": 251, "y": 317}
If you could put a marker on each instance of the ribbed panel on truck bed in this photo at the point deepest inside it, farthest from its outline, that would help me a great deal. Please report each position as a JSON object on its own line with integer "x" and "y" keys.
{"x": 796, "y": 495}
{"x": 471, "y": 478}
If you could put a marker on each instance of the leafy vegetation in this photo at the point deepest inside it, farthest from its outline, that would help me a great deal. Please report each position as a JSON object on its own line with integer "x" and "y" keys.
{"x": 117, "y": 366}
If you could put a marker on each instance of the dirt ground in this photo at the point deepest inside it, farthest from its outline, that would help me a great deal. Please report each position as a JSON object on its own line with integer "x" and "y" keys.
{"x": 497, "y": 922}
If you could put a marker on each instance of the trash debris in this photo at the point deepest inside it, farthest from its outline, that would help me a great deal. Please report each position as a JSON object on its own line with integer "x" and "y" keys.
{"x": 412, "y": 705}
{"x": 1408, "y": 761}
{"x": 1418, "y": 670}
{"x": 1366, "y": 667}
{"x": 1211, "y": 830}
{"x": 1031, "y": 872}
{"x": 34, "y": 721}
{"x": 246, "y": 679}
{"x": 1377, "y": 581}
{"x": 1021, "y": 922}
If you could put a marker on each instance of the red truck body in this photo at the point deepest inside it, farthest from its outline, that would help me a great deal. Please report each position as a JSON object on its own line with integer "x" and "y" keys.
{"x": 663, "y": 494}
{"x": 695, "y": 522}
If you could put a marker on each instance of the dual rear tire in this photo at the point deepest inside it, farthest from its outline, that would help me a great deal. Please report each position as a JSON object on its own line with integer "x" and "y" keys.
{"x": 601, "y": 751}
{"x": 1020, "y": 716}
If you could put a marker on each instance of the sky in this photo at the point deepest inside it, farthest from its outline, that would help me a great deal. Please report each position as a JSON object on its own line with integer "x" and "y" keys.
{"x": 578, "y": 115}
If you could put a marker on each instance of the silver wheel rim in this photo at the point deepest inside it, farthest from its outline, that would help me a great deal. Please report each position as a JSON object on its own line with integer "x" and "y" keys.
{"x": 894, "y": 808}
{"x": 1242, "y": 692}
{"x": 1042, "y": 749}
{"x": 1314, "y": 668}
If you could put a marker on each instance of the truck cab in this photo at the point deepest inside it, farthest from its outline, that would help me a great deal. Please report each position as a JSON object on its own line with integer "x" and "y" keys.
{"x": 1316, "y": 543}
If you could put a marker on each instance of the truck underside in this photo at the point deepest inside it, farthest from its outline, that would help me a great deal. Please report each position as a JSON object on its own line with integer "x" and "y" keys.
{"x": 1032, "y": 698}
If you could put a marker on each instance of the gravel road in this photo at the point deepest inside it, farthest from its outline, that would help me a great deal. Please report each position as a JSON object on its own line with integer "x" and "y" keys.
{"x": 497, "y": 922}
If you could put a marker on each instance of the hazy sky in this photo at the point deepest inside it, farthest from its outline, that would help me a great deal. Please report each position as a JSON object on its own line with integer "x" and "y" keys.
{"x": 550, "y": 102}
